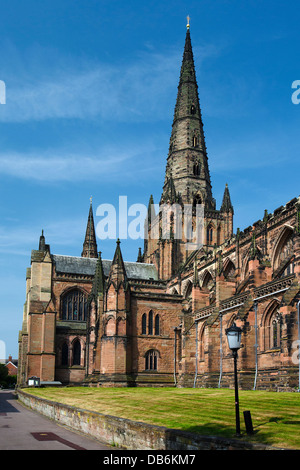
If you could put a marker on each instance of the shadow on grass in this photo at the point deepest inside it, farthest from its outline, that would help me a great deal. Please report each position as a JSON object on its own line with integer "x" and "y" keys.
{"x": 259, "y": 435}
{"x": 213, "y": 430}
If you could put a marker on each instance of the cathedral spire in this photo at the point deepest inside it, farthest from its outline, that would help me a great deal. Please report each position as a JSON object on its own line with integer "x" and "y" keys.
{"x": 90, "y": 244}
{"x": 187, "y": 161}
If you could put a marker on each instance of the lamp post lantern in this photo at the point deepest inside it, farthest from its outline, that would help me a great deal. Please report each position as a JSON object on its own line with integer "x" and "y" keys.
{"x": 234, "y": 334}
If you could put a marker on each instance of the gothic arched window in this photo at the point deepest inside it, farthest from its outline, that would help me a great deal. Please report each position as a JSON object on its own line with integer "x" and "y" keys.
{"x": 229, "y": 270}
{"x": 76, "y": 353}
{"x": 74, "y": 306}
{"x": 151, "y": 360}
{"x": 196, "y": 169}
{"x": 208, "y": 281}
{"x": 156, "y": 326}
{"x": 283, "y": 262}
{"x": 275, "y": 331}
{"x": 197, "y": 200}
{"x": 272, "y": 327}
{"x": 153, "y": 324}
{"x": 144, "y": 324}
{"x": 188, "y": 291}
{"x": 150, "y": 323}
{"x": 201, "y": 344}
{"x": 219, "y": 236}
{"x": 209, "y": 235}
{"x": 65, "y": 355}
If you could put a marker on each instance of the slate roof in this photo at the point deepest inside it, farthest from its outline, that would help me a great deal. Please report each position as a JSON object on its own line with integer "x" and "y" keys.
{"x": 78, "y": 265}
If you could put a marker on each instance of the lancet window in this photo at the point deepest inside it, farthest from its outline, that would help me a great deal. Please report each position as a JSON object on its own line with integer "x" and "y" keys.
{"x": 150, "y": 324}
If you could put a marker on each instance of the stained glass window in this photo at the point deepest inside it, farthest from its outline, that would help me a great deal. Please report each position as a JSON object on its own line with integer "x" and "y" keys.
{"x": 74, "y": 306}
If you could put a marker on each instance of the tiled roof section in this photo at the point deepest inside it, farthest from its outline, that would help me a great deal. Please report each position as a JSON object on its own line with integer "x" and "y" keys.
{"x": 77, "y": 265}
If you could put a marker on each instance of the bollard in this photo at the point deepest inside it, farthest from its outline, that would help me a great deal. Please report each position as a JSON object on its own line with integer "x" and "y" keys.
{"x": 248, "y": 422}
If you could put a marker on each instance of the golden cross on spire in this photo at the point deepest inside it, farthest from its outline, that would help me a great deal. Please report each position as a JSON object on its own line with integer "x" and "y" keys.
{"x": 91, "y": 199}
{"x": 188, "y": 22}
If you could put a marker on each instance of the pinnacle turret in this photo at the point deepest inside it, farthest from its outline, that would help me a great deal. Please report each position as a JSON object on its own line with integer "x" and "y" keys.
{"x": 42, "y": 244}
{"x": 117, "y": 273}
{"x": 226, "y": 203}
{"x": 140, "y": 256}
{"x": 99, "y": 279}
{"x": 90, "y": 244}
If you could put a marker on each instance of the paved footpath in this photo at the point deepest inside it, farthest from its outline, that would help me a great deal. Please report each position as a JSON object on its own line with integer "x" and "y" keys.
{"x": 24, "y": 429}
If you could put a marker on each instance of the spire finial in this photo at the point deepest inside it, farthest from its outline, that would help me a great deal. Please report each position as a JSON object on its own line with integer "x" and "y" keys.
{"x": 188, "y": 22}
{"x": 91, "y": 199}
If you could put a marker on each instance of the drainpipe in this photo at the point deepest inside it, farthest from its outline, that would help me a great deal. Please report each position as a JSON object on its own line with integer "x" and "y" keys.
{"x": 255, "y": 345}
{"x": 177, "y": 328}
{"x": 196, "y": 355}
{"x": 221, "y": 352}
{"x": 298, "y": 311}
{"x": 175, "y": 341}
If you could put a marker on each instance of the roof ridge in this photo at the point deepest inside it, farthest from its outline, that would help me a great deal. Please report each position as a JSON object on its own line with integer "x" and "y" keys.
{"x": 94, "y": 260}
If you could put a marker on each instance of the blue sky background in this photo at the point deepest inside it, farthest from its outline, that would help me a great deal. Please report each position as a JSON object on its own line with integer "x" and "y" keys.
{"x": 90, "y": 94}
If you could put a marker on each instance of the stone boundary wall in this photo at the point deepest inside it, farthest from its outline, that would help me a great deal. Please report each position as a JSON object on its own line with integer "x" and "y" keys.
{"x": 127, "y": 434}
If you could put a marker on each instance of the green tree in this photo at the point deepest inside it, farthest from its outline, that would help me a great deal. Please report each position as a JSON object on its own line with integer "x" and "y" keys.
{"x": 3, "y": 375}
{"x": 6, "y": 380}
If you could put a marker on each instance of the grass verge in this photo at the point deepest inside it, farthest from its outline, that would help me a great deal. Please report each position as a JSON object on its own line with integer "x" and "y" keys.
{"x": 275, "y": 416}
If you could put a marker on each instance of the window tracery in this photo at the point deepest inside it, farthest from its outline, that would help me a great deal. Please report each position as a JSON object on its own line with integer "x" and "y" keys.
{"x": 151, "y": 360}
{"x": 74, "y": 306}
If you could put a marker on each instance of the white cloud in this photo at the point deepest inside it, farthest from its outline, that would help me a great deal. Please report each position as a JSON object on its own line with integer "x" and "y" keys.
{"x": 118, "y": 92}
{"x": 19, "y": 239}
{"x": 84, "y": 165}
{"x": 142, "y": 89}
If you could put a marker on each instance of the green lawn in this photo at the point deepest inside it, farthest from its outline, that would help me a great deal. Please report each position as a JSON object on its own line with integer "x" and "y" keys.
{"x": 275, "y": 416}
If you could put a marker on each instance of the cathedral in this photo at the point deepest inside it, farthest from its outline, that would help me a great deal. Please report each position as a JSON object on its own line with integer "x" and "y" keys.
{"x": 162, "y": 320}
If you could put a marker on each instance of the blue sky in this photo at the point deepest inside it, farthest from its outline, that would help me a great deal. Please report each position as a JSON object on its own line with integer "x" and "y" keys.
{"x": 90, "y": 94}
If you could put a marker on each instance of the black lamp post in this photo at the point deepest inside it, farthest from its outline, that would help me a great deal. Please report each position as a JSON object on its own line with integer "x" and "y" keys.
{"x": 234, "y": 334}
